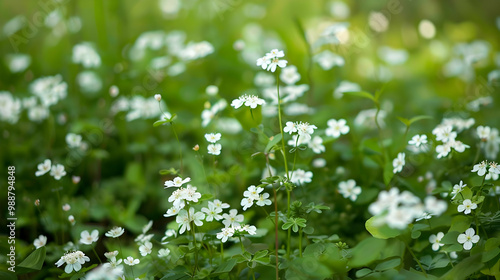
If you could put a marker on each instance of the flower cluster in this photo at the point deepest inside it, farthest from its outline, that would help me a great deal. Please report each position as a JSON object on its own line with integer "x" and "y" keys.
{"x": 56, "y": 170}
{"x": 493, "y": 169}
{"x": 214, "y": 148}
{"x": 251, "y": 101}
{"x": 336, "y": 128}
{"x": 446, "y": 134}
{"x": 303, "y": 129}
{"x": 254, "y": 194}
{"x": 239, "y": 230}
{"x": 349, "y": 189}
{"x": 398, "y": 210}
{"x": 271, "y": 60}
{"x": 73, "y": 261}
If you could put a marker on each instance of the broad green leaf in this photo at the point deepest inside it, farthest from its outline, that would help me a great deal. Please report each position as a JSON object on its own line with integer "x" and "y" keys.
{"x": 363, "y": 272}
{"x": 388, "y": 264}
{"x": 460, "y": 223}
{"x": 226, "y": 266}
{"x": 382, "y": 231}
{"x": 366, "y": 252}
{"x": 260, "y": 254}
{"x": 450, "y": 237}
{"x": 464, "y": 268}
{"x": 419, "y": 118}
{"x": 32, "y": 262}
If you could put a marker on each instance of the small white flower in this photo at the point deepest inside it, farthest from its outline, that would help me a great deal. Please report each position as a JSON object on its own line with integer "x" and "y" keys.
{"x": 316, "y": 144}
{"x": 494, "y": 168}
{"x": 71, "y": 219}
{"x": 418, "y": 140}
{"x": 263, "y": 62}
{"x": 212, "y": 137}
{"x": 115, "y": 232}
{"x": 40, "y": 241}
{"x": 164, "y": 252}
{"x": 305, "y": 130}
{"x": 73, "y": 260}
{"x": 131, "y": 261}
{"x": 480, "y": 168}
{"x": 57, "y": 171}
{"x": 232, "y": 219}
{"x": 290, "y": 127}
{"x": 212, "y": 90}
{"x": 214, "y": 149}
{"x": 43, "y": 167}
{"x": 158, "y": 97}
{"x": 457, "y": 189}
{"x": 66, "y": 207}
{"x": 246, "y": 203}
{"x": 87, "y": 238}
{"x": 468, "y": 238}
{"x": 220, "y": 204}
{"x": 263, "y": 200}
{"x": 253, "y": 101}
{"x": 300, "y": 177}
{"x": 176, "y": 182}
{"x": 436, "y": 241}
{"x": 146, "y": 248}
{"x": 483, "y": 132}
{"x": 253, "y": 192}
{"x": 398, "y": 163}
{"x": 111, "y": 255}
{"x": 336, "y": 128}
{"x": 225, "y": 234}
{"x": 212, "y": 212}
{"x": 276, "y": 62}
{"x": 73, "y": 140}
{"x": 349, "y": 189}
{"x": 467, "y": 206}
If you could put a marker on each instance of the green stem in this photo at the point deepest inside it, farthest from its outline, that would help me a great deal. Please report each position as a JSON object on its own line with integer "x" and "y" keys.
{"x": 276, "y": 232}
{"x": 195, "y": 250}
{"x": 416, "y": 259}
{"x": 93, "y": 249}
{"x": 61, "y": 215}
{"x": 178, "y": 142}
{"x": 221, "y": 251}
{"x": 288, "y": 241}
{"x": 281, "y": 125}
{"x": 300, "y": 242}
{"x": 241, "y": 244}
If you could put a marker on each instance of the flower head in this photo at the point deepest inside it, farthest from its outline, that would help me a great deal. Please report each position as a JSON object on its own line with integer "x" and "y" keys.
{"x": 176, "y": 182}
{"x": 131, "y": 261}
{"x": 398, "y": 163}
{"x": 436, "y": 241}
{"x": 73, "y": 260}
{"x": 336, "y": 128}
{"x": 40, "y": 241}
{"x": 212, "y": 137}
{"x": 87, "y": 238}
{"x": 349, "y": 189}
{"x": 115, "y": 232}
{"x": 57, "y": 171}
{"x": 418, "y": 140}
{"x": 458, "y": 188}
{"x": 146, "y": 248}
{"x": 480, "y": 168}
{"x": 468, "y": 238}
{"x": 214, "y": 149}
{"x": 467, "y": 206}
{"x": 43, "y": 167}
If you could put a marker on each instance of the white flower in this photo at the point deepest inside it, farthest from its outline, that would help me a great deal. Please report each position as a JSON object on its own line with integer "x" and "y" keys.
{"x": 300, "y": 177}
{"x": 115, "y": 232}
{"x": 467, "y": 206}
{"x": 172, "y": 211}
{"x": 253, "y": 192}
{"x": 458, "y": 188}
{"x": 71, "y": 219}
{"x": 263, "y": 62}
{"x": 225, "y": 234}
{"x": 398, "y": 163}
{"x": 66, "y": 207}
{"x": 263, "y": 200}
{"x": 212, "y": 212}
{"x": 220, "y": 204}
{"x": 459, "y": 146}
{"x": 164, "y": 252}
{"x": 275, "y": 53}
{"x": 316, "y": 144}
{"x": 57, "y": 171}
{"x": 336, "y": 128}
{"x": 494, "y": 168}
{"x": 147, "y": 226}
{"x": 246, "y": 203}
{"x": 158, "y": 97}
{"x": 252, "y": 230}
{"x": 436, "y": 241}
{"x": 232, "y": 219}
{"x": 131, "y": 261}
{"x": 290, "y": 75}
{"x": 253, "y": 101}
{"x": 111, "y": 255}
{"x": 468, "y": 238}
{"x": 237, "y": 103}
{"x": 214, "y": 149}
{"x": 349, "y": 189}
{"x": 212, "y": 137}
{"x": 435, "y": 206}
{"x": 443, "y": 150}
{"x": 399, "y": 218}
{"x": 176, "y": 182}
{"x": 418, "y": 140}
{"x": 86, "y": 55}
{"x": 146, "y": 248}
{"x": 483, "y": 132}
{"x": 184, "y": 218}
{"x": 444, "y": 133}
{"x": 43, "y": 167}
{"x": 305, "y": 130}
{"x": 73, "y": 260}
{"x": 212, "y": 90}
{"x": 73, "y": 140}
{"x": 276, "y": 62}
{"x": 40, "y": 241}
{"x": 480, "y": 168}
{"x": 87, "y": 238}
{"x": 290, "y": 127}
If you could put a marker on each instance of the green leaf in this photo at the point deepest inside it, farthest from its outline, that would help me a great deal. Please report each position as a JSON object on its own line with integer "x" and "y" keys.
{"x": 226, "y": 266}
{"x": 286, "y": 225}
{"x": 419, "y": 118}
{"x": 388, "y": 171}
{"x": 388, "y": 264}
{"x": 363, "y": 272}
{"x": 460, "y": 223}
{"x": 272, "y": 141}
{"x": 464, "y": 268}
{"x": 260, "y": 254}
{"x": 366, "y": 252}
{"x": 404, "y": 120}
{"x": 450, "y": 237}
{"x": 363, "y": 94}
{"x": 381, "y": 231}
{"x": 32, "y": 262}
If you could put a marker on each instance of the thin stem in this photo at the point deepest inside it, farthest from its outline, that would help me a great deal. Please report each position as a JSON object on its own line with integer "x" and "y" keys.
{"x": 300, "y": 242}
{"x": 221, "y": 251}
{"x": 288, "y": 241}
{"x": 61, "y": 215}
{"x": 178, "y": 142}
{"x": 281, "y": 125}
{"x": 276, "y": 231}
{"x": 93, "y": 249}
{"x": 416, "y": 259}
{"x": 195, "y": 249}
{"x": 241, "y": 244}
